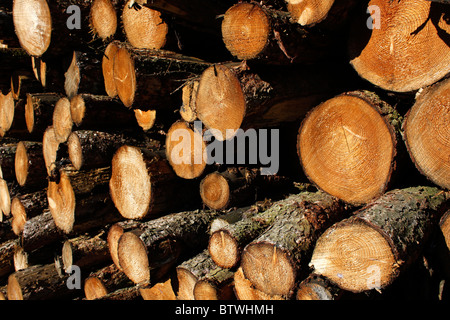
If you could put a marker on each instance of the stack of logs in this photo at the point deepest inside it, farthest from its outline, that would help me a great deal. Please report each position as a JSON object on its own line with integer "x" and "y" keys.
{"x": 105, "y": 189}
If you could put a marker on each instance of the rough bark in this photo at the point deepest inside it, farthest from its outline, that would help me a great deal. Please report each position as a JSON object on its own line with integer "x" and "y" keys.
{"x": 316, "y": 287}
{"x": 370, "y": 249}
{"x": 274, "y": 261}
{"x": 159, "y": 244}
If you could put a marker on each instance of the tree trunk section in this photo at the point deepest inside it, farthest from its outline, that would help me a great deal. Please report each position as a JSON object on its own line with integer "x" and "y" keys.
{"x": 416, "y": 57}
{"x": 347, "y": 146}
{"x": 370, "y": 249}
{"x": 426, "y": 132}
{"x": 150, "y": 181}
{"x": 160, "y": 243}
{"x": 274, "y": 261}
{"x": 199, "y": 278}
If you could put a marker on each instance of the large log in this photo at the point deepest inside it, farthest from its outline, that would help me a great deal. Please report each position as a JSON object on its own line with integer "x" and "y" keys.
{"x": 159, "y": 244}
{"x": 349, "y": 146}
{"x": 274, "y": 261}
{"x": 427, "y": 134}
{"x": 370, "y": 249}
{"x": 406, "y": 47}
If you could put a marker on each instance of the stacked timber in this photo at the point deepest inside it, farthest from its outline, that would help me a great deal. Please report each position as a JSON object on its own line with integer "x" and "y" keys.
{"x": 220, "y": 149}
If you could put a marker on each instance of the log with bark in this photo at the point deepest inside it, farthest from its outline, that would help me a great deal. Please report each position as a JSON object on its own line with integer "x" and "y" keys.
{"x": 405, "y": 48}
{"x": 148, "y": 79}
{"x": 39, "y": 111}
{"x": 426, "y": 133}
{"x": 231, "y": 96}
{"x": 104, "y": 281}
{"x": 29, "y": 165}
{"x": 147, "y": 252}
{"x": 84, "y": 75}
{"x": 370, "y": 249}
{"x": 349, "y": 146}
{"x": 445, "y": 227}
{"x": 77, "y": 193}
{"x": 199, "y": 278}
{"x": 316, "y": 287}
{"x": 90, "y": 149}
{"x": 236, "y": 187}
{"x": 39, "y": 282}
{"x": 27, "y": 206}
{"x": 55, "y": 27}
{"x": 275, "y": 259}
{"x": 7, "y": 109}
{"x": 143, "y": 184}
{"x": 252, "y": 31}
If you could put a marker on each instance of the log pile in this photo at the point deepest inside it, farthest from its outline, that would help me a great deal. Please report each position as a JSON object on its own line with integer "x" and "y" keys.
{"x": 220, "y": 150}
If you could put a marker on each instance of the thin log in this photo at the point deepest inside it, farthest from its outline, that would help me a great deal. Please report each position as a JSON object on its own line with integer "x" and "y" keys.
{"x": 93, "y": 149}
{"x": 29, "y": 164}
{"x": 104, "y": 281}
{"x": 316, "y": 287}
{"x": 199, "y": 278}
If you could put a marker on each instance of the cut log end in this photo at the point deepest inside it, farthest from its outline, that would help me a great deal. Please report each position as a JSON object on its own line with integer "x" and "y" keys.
{"x": 14, "y": 291}
{"x": 29, "y": 113}
{"x": 186, "y": 281}
{"x": 268, "y": 268}
{"x": 103, "y": 18}
{"x": 354, "y": 256}
{"x": 61, "y": 202}
{"x": 108, "y": 69}
{"x": 62, "y": 120}
{"x": 393, "y": 57}
{"x": 215, "y": 191}
{"x": 94, "y": 288}
{"x": 33, "y": 25}
{"x": 133, "y": 258}
{"x": 246, "y": 291}
{"x": 144, "y": 27}
{"x": 313, "y": 292}
{"x": 19, "y": 216}
{"x": 50, "y": 146}
{"x": 21, "y": 163}
{"x": 130, "y": 186}
{"x": 223, "y": 249}
{"x": 427, "y": 133}
{"x": 67, "y": 256}
{"x": 347, "y": 149}
{"x": 245, "y": 30}
{"x": 185, "y": 150}
{"x": 5, "y": 199}
{"x": 220, "y": 102}
{"x": 309, "y": 12}
{"x": 72, "y": 78}
{"x": 189, "y": 97}
{"x": 124, "y": 76}
{"x": 77, "y": 109}
{"x": 114, "y": 234}
{"x": 145, "y": 119}
{"x": 7, "y": 107}
{"x": 75, "y": 151}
